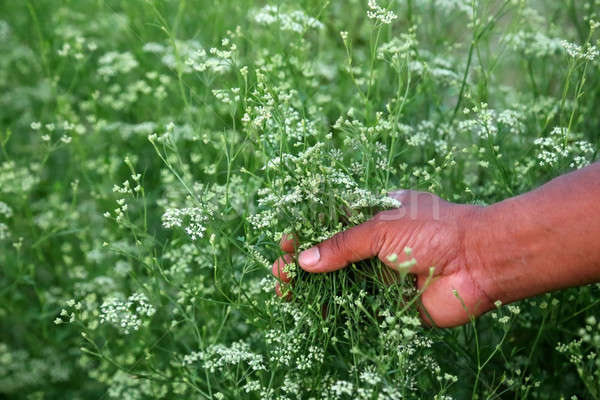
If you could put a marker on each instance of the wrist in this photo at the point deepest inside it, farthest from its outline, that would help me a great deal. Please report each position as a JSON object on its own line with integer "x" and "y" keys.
{"x": 476, "y": 248}
{"x": 507, "y": 251}
{"x": 540, "y": 241}
{"x": 501, "y": 251}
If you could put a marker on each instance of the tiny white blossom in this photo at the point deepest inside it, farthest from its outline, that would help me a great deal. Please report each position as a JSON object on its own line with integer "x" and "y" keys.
{"x": 380, "y": 14}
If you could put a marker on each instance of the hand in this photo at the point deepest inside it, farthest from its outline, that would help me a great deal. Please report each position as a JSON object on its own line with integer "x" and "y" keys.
{"x": 438, "y": 234}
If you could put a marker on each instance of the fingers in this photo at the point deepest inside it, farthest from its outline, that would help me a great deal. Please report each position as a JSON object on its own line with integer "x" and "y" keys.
{"x": 279, "y": 273}
{"x": 280, "y": 293}
{"x": 355, "y": 244}
{"x": 278, "y": 266}
{"x": 289, "y": 243}
{"x": 278, "y": 289}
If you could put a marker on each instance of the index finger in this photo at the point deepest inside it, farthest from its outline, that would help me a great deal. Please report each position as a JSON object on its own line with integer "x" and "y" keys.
{"x": 289, "y": 243}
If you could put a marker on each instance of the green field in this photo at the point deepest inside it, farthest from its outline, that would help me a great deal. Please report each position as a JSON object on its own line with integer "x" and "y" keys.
{"x": 153, "y": 152}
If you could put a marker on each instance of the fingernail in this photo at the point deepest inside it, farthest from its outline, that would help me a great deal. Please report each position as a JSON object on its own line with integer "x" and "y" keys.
{"x": 309, "y": 258}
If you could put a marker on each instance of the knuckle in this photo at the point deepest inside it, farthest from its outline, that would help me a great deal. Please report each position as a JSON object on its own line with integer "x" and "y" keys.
{"x": 390, "y": 215}
{"x": 398, "y": 194}
{"x": 338, "y": 242}
{"x": 380, "y": 236}
{"x": 402, "y": 195}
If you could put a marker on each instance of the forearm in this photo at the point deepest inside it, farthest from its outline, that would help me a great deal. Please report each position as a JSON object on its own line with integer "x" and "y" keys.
{"x": 543, "y": 240}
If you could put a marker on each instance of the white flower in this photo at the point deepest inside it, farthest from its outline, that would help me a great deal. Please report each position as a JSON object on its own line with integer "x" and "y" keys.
{"x": 126, "y": 315}
{"x": 114, "y": 63}
{"x": 4, "y": 231}
{"x": 64, "y": 50}
{"x": 216, "y": 357}
{"x": 66, "y": 139}
{"x": 589, "y": 52}
{"x": 192, "y": 219}
{"x": 379, "y": 14}
{"x": 294, "y": 21}
{"x": 5, "y": 210}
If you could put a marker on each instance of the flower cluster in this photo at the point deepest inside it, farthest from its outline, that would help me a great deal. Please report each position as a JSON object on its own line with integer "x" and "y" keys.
{"x": 294, "y": 21}
{"x": 127, "y": 315}
{"x": 584, "y": 353}
{"x": 561, "y": 145}
{"x": 16, "y": 179}
{"x": 313, "y": 185}
{"x": 216, "y": 60}
{"x": 380, "y": 14}
{"x": 192, "y": 219}
{"x": 533, "y": 44}
{"x": 487, "y": 122}
{"x": 218, "y": 357}
{"x": 588, "y": 52}
{"x": 113, "y": 63}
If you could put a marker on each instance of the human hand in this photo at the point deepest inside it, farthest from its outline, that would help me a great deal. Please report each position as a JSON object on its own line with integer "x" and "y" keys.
{"x": 447, "y": 268}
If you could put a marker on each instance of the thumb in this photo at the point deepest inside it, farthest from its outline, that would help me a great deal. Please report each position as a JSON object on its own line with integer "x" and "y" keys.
{"x": 355, "y": 244}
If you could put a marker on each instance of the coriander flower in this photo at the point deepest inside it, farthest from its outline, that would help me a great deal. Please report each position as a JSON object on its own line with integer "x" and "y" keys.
{"x": 192, "y": 220}
{"x": 293, "y": 21}
{"x": 126, "y": 315}
{"x": 380, "y": 14}
{"x": 588, "y": 52}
